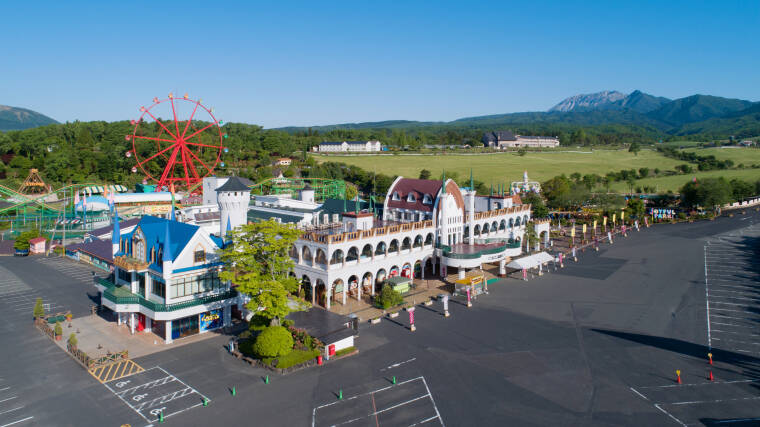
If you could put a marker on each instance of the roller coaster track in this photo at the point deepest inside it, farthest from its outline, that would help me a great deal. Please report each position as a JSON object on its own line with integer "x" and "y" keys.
{"x": 20, "y": 200}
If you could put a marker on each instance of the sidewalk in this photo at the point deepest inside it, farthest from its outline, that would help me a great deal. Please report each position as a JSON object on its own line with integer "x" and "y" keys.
{"x": 97, "y": 337}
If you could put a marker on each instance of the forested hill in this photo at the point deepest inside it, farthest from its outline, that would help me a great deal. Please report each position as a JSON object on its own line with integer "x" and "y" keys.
{"x": 13, "y": 118}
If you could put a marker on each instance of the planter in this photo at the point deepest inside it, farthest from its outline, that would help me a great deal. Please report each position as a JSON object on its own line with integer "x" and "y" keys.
{"x": 58, "y": 337}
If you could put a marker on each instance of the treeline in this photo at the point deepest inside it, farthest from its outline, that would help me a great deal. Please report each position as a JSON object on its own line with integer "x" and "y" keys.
{"x": 704, "y": 163}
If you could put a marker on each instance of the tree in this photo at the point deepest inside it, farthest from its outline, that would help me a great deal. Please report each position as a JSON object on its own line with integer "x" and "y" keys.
{"x": 258, "y": 261}
{"x": 556, "y": 190}
{"x": 635, "y": 208}
{"x": 634, "y": 148}
{"x": 424, "y": 174}
{"x": 531, "y": 237}
{"x": 22, "y": 240}
{"x": 351, "y": 192}
{"x": 73, "y": 340}
{"x": 58, "y": 329}
{"x": 274, "y": 341}
{"x": 708, "y": 192}
{"x": 537, "y": 206}
{"x": 39, "y": 309}
{"x": 388, "y": 298}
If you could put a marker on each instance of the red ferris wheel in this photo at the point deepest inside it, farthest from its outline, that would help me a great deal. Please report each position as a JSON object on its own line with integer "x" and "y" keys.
{"x": 179, "y": 150}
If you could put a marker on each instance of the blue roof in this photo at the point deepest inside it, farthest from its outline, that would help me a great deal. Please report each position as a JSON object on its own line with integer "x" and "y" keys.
{"x": 157, "y": 229}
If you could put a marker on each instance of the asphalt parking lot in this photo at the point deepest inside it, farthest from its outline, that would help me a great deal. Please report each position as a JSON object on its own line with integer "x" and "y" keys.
{"x": 595, "y": 343}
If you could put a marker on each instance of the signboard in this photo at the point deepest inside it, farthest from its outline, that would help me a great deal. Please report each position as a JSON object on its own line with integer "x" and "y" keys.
{"x": 211, "y": 319}
{"x": 659, "y": 213}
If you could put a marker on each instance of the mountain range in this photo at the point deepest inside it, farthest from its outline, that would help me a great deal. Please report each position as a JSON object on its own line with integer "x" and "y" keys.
{"x": 14, "y": 118}
{"x": 712, "y": 116}
{"x": 696, "y": 114}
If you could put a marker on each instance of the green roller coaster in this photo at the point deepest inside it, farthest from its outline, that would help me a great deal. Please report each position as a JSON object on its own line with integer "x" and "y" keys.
{"x": 46, "y": 212}
{"x": 324, "y": 188}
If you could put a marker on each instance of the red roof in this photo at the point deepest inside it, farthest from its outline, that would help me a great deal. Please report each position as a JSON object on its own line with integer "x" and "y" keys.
{"x": 516, "y": 200}
{"x": 419, "y": 187}
{"x": 37, "y": 240}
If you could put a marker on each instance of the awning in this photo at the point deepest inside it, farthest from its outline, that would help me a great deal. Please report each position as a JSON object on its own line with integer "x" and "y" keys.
{"x": 531, "y": 261}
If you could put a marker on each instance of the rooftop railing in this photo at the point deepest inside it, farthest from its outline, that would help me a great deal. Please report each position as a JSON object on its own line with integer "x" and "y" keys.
{"x": 122, "y": 295}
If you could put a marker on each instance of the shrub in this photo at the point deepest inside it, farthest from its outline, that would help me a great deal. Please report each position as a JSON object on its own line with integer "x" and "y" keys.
{"x": 58, "y": 328}
{"x": 288, "y": 323}
{"x": 246, "y": 347}
{"x": 344, "y": 351}
{"x": 258, "y": 323}
{"x": 296, "y": 357}
{"x": 73, "y": 340}
{"x": 39, "y": 310}
{"x": 273, "y": 341}
{"x": 22, "y": 241}
{"x": 388, "y": 298}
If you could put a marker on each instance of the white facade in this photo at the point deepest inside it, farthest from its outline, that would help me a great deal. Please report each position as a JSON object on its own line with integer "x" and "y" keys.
{"x": 422, "y": 240}
{"x": 531, "y": 142}
{"x": 350, "y": 146}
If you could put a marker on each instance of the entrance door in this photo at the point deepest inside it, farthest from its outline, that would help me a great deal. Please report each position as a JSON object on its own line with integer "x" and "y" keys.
{"x": 185, "y": 327}
{"x": 140, "y": 322}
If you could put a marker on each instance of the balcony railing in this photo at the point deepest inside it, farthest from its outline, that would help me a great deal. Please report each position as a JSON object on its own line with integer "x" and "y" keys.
{"x": 122, "y": 295}
{"x": 447, "y": 251}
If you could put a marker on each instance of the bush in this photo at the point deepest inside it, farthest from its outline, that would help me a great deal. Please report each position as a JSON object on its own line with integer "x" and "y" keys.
{"x": 246, "y": 347}
{"x": 344, "y": 351}
{"x": 58, "y": 329}
{"x": 39, "y": 310}
{"x": 388, "y": 298}
{"x": 288, "y": 323}
{"x": 273, "y": 341}
{"x": 73, "y": 340}
{"x": 22, "y": 241}
{"x": 296, "y": 357}
{"x": 258, "y": 323}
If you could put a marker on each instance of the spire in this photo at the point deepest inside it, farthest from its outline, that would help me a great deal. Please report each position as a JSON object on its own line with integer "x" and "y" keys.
{"x": 167, "y": 246}
{"x": 172, "y": 216}
{"x": 443, "y": 182}
{"x": 472, "y": 185}
{"x": 116, "y": 235}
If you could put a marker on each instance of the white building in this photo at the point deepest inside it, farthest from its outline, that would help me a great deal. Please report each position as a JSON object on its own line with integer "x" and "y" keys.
{"x": 427, "y": 229}
{"x": 506, "y": 139}
{"x": 349, "y": 146}
{"x": 166, "y": 272}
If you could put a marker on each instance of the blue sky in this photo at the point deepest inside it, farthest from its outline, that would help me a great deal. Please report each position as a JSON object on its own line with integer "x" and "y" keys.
{"x": 295, "y": 63}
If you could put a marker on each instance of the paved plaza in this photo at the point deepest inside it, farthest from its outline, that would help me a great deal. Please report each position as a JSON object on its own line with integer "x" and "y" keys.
{"x": 597, "y": 342}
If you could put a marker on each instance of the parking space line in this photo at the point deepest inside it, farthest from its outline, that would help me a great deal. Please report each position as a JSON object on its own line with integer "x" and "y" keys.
{"x": 11, "y": 410}
{"x": 16, "y": 422}
{"x": 669, "y": 414}
{"x": 10, "y": 398}
{"x": 127, "y": 403}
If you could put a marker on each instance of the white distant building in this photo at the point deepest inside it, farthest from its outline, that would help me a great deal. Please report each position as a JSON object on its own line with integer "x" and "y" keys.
{"x": 506, "y": 139}
{"x": 349, "y": 146}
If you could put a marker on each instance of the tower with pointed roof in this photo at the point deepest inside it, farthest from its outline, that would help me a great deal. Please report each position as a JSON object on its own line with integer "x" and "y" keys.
{"x": 233, "y": 198}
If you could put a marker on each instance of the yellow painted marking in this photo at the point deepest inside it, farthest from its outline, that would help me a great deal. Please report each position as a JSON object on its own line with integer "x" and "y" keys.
{"x": 115, "y": 370}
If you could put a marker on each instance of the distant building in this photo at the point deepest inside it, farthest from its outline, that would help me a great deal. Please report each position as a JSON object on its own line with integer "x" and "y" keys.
{"x": 37, "y": 245}
{"x": 283, "y": 161}
{"x": 506, "y": 139}
{"x": 349, "y": 146}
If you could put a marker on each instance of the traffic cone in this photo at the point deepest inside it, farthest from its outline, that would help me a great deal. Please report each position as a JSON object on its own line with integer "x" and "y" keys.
{"x": 678, "y": 376}
{"x": 711, "y": 376}
{"x": 709, "y": 356}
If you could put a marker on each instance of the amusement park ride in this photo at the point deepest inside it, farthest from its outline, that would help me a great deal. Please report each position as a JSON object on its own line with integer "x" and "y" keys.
{"x": 175, "y": 154}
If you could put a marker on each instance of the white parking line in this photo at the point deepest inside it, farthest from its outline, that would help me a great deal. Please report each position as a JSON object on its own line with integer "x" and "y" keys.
{"x": 396, "y": 365}
{"x": 11, "y": 410}
{"x": 16, "y": 422}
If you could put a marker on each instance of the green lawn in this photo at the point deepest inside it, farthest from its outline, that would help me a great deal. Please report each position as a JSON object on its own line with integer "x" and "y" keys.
{"x": 507, "y": 167}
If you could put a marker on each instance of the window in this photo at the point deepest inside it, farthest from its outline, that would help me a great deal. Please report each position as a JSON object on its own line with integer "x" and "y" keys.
{"x": 410, "y": 198}
{"x": 427, "y": 200}
{"x": 200, "y": 255}
{"x": 159, "y": 286}
{"x": 185, "y": 286}
{"x": 139, "y": 246}
{"x": 125, "y": 275}
{"x": 396, "y": 196}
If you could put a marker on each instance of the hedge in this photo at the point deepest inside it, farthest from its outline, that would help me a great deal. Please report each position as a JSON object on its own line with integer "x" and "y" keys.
{"x": 296, "y": 357}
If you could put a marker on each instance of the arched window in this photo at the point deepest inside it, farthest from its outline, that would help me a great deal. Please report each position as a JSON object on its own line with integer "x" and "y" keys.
{"x": 429, "y": 239}
{"x": 511, "y": 222}
{"x": 337, "y": 257}
{"x": 367, "y": 251}
{"x": 417, "y": 242}
{"x": 396, "y": 196}
{"x": 321, "y": 258}
{"x": 427, "y": 200}
{"x": 139, "y": 246}
{"x": 380, "y": 249}
{"x": 353, "y": 254}
{"x": 393, "y": 247}
{"x": 517, "y": 221}
{"x": 406, "y": 244}
{"x": 410, "y": 198}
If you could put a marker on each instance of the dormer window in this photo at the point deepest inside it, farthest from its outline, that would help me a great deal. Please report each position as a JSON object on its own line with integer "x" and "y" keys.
{"x": 396, "y": 196}
{"x": 427, "y": 200}
{"x": 410, "y": 198}
{"x": 199, "y": 255}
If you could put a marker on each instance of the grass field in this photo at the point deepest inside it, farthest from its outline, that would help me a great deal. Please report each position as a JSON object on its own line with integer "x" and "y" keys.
{"x": 507, "y": 167}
